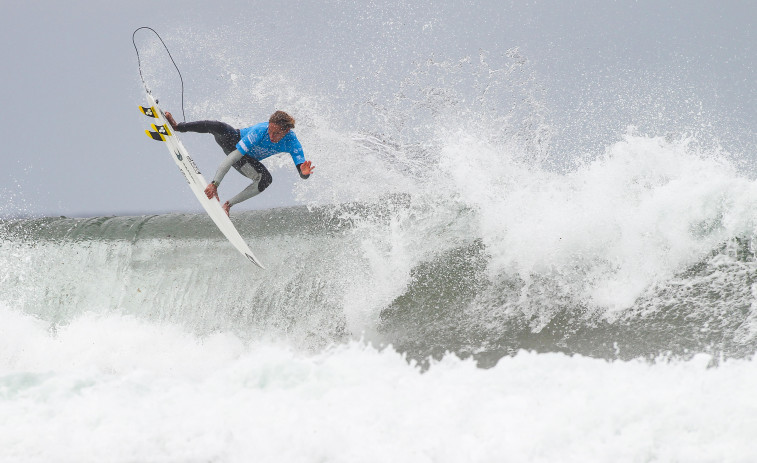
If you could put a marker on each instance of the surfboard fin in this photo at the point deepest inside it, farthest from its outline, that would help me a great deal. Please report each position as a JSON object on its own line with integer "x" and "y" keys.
{"x": 162, "y": 129}
{"x": 155, "y": 135}
{"x": 149, "y": 112}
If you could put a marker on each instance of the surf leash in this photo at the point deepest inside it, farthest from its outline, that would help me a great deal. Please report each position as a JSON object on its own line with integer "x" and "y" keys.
{"x": 139, "y": 63}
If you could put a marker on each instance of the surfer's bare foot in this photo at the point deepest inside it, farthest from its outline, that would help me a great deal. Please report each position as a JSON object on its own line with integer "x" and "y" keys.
{"x": 171, "y": 120}
{"x": 226, "y": 206}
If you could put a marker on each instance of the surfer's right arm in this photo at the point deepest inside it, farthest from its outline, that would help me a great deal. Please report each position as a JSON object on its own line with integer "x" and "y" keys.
{"x": 212, "y": 189}
{"x": 305, "y": 169}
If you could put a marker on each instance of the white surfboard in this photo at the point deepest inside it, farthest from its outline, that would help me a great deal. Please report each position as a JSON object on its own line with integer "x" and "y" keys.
{"x": 162, "y": 131}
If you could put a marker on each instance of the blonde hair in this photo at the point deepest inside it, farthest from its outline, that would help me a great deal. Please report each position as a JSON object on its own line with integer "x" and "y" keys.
{"x": 282, "y": 119}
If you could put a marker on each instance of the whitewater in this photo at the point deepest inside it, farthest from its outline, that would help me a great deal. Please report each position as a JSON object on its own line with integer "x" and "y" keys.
{"x": 602, "y": 314}
{"x": 451, "y": 287}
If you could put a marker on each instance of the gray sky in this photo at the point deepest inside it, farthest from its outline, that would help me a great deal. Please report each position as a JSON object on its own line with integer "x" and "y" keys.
{"x": 73, "y": 142}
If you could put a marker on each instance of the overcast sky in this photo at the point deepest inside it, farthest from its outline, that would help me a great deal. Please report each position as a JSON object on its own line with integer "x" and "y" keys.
{"x": 73, "y": 142}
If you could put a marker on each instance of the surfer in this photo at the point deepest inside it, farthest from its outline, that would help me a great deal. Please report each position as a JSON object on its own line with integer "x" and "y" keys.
{"x": 245, "y": 148}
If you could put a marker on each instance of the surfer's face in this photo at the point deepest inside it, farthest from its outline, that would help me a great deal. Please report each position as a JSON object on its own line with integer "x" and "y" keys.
{"x": 276, "y": 132}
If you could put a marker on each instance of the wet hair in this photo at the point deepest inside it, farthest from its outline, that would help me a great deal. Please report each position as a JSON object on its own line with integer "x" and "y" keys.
{"x": 282, "y": 119}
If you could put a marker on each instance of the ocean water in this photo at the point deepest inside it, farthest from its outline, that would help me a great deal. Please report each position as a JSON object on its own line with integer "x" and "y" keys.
{"x": 605, "y": 313}
{"x": 455, "y": 285}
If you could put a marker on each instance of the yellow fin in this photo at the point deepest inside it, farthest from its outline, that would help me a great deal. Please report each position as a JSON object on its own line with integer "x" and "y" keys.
{"x": 155, "y": 135}
{"x": 149, "y": 112}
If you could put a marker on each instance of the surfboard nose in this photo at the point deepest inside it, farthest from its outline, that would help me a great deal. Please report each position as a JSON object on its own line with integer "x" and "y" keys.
{"x": 252, "y": 259}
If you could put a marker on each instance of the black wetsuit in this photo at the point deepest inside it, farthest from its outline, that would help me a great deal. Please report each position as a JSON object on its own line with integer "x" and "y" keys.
{"x": 227, "y": 138}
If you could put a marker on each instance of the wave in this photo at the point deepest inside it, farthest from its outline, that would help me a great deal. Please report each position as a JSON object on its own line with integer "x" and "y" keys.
{"x": 444, "y": 217}
{"x": 152, "y": 391}
{"x": 645, "y": 252}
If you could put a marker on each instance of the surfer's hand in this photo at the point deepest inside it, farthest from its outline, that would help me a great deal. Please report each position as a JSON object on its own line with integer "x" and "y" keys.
{"x": 306, "y": 168}
{"x": 211, "y": 191}
{"x": 226, "y": 206}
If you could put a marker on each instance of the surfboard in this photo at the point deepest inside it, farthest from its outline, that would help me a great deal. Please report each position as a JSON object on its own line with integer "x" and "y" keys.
{"x": 162, "y": 131}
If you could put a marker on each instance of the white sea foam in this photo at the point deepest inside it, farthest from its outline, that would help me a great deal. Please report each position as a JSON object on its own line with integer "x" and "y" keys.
{"x": 645, "y": 210}
{"x": 474, "y": 132}
{"x": 603, "y": 233}
{"x": 144, "y": 353}
{"x": 113, "y": 388}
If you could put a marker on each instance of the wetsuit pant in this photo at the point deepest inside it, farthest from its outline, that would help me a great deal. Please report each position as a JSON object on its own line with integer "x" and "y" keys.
{"x": 227, "y": 138}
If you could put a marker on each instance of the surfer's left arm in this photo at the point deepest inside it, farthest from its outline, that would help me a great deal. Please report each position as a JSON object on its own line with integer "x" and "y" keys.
{"x": 212, "y": 189}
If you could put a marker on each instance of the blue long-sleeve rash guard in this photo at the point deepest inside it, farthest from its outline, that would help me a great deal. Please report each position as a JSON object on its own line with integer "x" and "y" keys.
{"x": 256, "y": 143}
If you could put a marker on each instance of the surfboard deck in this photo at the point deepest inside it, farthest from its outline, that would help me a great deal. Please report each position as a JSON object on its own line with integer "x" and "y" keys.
{"x": 161, "y": 131}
